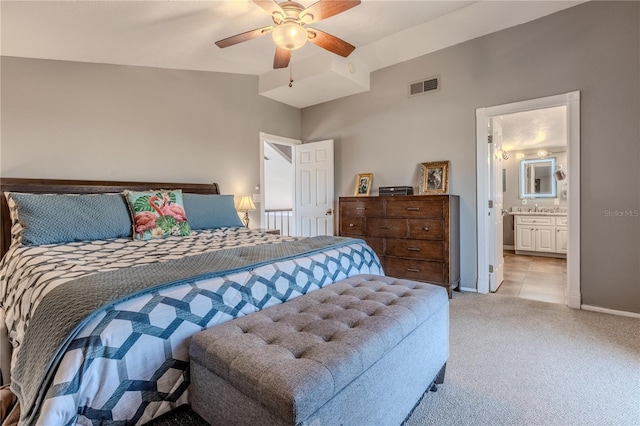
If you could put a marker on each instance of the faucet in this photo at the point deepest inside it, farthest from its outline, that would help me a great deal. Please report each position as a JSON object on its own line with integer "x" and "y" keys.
{"x": 535, "y": 207}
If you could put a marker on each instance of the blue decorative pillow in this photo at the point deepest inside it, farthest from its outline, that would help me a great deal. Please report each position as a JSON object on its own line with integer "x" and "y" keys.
{"x": 208, "y": 211}
{"x": 63, "y": 218}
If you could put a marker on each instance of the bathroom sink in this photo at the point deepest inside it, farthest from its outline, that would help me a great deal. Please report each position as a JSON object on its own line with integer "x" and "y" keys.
{"x": 540, "y": 213}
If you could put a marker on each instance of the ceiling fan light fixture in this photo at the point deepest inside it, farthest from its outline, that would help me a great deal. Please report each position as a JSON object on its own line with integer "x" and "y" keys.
{"x": 289, "y": 35}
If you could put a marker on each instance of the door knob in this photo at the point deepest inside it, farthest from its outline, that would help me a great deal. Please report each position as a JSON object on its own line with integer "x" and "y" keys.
{"x": 329, "y": 212}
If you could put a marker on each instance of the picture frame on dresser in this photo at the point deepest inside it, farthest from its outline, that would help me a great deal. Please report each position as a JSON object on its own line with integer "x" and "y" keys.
{"x": 363, "y": 184}
{"x": 434, "y": 178}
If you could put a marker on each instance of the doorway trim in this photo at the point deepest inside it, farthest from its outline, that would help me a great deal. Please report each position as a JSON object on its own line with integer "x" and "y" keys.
{"x": 572, "y": 101}
{"x": 266, "y": 137}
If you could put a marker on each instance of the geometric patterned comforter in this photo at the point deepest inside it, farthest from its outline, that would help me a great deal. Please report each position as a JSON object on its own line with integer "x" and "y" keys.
{"x": 129, "y": 363}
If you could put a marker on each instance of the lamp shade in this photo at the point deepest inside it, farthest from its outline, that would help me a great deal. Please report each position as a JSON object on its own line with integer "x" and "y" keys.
{"x": 246, "y": 204}
{"x": 289, "y": 35}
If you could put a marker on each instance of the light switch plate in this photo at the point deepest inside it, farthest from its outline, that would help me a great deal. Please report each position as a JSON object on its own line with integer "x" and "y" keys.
{"x": 256, "y": 198}
{"x": 556, "y": 202}
{"x": 524, "y": 201}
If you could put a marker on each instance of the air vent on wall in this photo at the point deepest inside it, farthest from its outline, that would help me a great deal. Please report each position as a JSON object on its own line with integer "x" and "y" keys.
{"x": 430, "y": 84}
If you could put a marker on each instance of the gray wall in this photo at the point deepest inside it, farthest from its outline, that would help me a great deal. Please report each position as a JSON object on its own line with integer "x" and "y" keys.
{"x": 71, "y": 120}
{"x": 594, "y": 48}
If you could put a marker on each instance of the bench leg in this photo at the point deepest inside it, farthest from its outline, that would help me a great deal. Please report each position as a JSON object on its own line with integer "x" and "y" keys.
{"x": 439, "y": 379}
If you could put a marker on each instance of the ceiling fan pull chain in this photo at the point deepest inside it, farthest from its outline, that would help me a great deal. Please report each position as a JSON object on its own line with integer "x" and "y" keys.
{"x": 290, "y": 75}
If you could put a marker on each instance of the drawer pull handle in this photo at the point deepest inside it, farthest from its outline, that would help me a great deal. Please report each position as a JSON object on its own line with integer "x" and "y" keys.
{"x": 385, "y": 227}
{"x": 413, "y": 270}
{"x": 361, "y": 208}
{"x": 351, "y": 225}
{"x": 413, "y": 248}
{"x": 426, "y": 228}
{"x": 413, "y": 209}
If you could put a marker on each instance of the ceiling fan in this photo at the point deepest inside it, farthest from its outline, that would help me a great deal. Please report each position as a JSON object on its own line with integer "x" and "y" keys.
{"x": 289, "y": 32}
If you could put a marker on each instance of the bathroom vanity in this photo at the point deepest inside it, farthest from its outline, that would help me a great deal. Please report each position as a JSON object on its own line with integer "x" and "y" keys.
{"x": 541, "y": 233}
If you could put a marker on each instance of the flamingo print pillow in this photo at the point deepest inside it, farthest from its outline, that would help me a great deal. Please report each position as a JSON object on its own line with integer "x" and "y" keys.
{"x": 157, "y": 214}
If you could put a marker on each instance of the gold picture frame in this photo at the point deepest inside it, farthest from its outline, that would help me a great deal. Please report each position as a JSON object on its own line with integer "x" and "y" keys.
{"x": 363, "y": 184}
{"x": 435, "y": 178}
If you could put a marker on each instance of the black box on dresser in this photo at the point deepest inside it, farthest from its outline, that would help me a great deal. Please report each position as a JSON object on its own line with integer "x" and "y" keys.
{"x": 395, "y": 190}
{"x": 416, "y": 237}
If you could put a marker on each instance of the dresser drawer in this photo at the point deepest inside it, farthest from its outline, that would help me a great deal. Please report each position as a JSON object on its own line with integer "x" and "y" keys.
{"x": 416, "y": 208}
{"x": 561, "y": 220}
{"x": 350, "y": 225}
{"x": 377, "y": 244}
{"x": 415, "y": 249}
{"x": 365, "y": 208}
{"x": 426, "y": 229}
{"x": 420, "y": 270}
{"x": 379, "y": 227}
{"x": 535, "y": 220}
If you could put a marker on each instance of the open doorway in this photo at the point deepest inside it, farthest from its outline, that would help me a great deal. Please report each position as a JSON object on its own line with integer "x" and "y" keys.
{"x": 534, "y": 186}
{"x": 277, "y": 183}
{"x": 297, "y": 186}
{"x": 540, "y": 237}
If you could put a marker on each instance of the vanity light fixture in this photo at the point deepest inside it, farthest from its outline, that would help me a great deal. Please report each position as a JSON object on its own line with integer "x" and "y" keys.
{"x": 519, "y": 156}
{"x": 543, "y": 153}
{"x": 559, "y": 173}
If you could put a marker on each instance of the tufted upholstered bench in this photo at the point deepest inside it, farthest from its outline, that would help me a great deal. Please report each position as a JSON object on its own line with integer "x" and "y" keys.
{"x": 358, "y": 352}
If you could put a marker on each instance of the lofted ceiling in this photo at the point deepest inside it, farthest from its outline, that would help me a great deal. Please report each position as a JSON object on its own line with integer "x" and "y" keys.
{"x": 181, "y": 35}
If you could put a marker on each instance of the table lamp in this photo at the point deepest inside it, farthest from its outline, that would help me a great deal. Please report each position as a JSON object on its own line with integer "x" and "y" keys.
{"x": 246, "y": 205}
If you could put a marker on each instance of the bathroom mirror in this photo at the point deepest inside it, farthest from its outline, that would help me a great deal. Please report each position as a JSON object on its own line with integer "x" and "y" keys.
{"x": 536, "y": 178}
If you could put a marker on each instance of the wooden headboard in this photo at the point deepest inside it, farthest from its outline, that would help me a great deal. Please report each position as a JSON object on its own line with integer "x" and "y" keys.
{"x": 54, "y": 186}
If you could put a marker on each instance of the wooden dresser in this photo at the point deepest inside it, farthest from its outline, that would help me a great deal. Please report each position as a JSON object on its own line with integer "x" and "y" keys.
{"x": 417, "y": 237}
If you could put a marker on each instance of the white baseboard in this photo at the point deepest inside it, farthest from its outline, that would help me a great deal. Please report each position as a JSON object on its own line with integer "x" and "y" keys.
{"x": 509, "y": 247}
{"x": 468, "y": 289}
{"x": 610, "y": 311}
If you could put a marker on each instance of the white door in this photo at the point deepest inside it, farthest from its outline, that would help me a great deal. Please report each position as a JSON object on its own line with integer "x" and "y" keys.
{"x": 314, "y": 170}
{"x": 496, "y": 256}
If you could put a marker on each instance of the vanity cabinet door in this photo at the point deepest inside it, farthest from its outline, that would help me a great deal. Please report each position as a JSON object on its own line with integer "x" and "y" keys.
{"x": 545, "y": 238}
{"x": 561, "y": 239}
{"x": 525, "y": 239}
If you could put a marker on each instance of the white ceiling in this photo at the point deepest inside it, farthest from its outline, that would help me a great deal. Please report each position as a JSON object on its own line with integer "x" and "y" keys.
{"x": 181, "y": 35}
{"x": 542, "y": 128}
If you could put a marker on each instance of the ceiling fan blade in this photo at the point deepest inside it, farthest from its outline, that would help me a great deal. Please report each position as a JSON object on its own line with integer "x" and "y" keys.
{"x": 330, "y": 43}
{"x": 282, "y": 58}
{"x": 325, "y": 9}
{"x": 270, "y": 6}
{"x": 239, "y": 38}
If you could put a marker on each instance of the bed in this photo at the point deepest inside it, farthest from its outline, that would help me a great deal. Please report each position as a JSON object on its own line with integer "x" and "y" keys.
{"x": 100, "y": 328}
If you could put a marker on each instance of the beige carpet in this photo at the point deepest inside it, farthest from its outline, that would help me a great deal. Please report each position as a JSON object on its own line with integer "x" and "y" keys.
{"x": 522, "y": 362}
